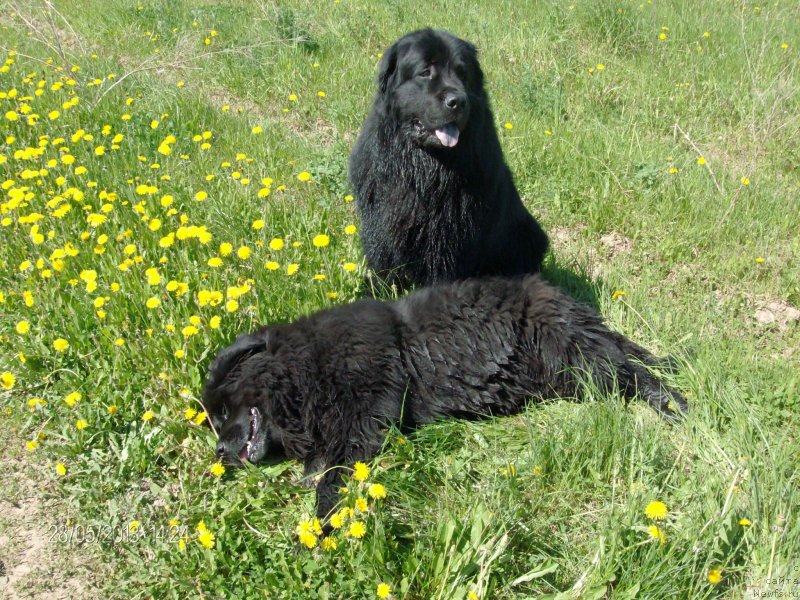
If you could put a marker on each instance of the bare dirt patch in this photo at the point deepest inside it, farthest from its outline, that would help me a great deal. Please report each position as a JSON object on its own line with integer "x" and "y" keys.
{"x": 777, "y": 313}
{"x": 33, "y": 565}
{"x": 616, "y": 244}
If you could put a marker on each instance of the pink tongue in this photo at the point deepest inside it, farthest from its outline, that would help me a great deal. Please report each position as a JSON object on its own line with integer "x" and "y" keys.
{"x": 448, "y": 135}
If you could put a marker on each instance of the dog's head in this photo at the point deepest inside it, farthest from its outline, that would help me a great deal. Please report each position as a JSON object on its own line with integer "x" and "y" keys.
{"x": 236, "y": 397}
{"x": 431, "y": 82}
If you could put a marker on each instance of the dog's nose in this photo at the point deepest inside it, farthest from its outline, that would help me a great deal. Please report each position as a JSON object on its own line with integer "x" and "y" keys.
{"x": 455, "y": 101}
{"x": 220, "y": 449}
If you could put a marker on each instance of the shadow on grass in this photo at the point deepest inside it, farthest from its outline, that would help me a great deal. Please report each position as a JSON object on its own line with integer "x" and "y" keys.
{"x": 577, "y": 285}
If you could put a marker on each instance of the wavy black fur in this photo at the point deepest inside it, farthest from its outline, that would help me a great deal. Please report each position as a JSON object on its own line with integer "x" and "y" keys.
{"x": 328, "y": 384}
{"x": 431, "y": 213}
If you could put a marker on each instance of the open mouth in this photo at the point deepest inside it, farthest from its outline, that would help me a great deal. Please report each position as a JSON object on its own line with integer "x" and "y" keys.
{"x": 447, "y": 134}
{"x": 255, "y": 423}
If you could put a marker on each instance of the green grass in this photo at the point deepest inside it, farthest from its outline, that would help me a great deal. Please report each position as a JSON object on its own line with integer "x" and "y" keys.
{"x": 550, "y": 502}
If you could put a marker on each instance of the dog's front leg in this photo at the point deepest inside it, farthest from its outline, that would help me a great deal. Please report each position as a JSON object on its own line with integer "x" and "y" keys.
{"x": 312, "y": 470}
{"x": 328, "y": 494}
{"x": 340, "y": 459}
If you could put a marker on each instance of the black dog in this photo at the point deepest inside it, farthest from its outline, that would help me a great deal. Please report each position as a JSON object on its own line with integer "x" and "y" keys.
{"x": 322, "y": 389}
{"x": 436, "y": 199}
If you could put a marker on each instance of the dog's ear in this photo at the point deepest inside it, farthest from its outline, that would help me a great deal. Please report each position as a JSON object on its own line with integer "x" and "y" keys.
{"x": 387, "y": 68}
{"x": 245, "y": 346}
{"x": 470, "y": 52}
{"x": 226, "y": 361}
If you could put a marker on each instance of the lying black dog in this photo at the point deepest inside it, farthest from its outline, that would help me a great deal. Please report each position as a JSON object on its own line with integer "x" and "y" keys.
{"x": 322, "y": 389}
{"x": 436, "y": 199}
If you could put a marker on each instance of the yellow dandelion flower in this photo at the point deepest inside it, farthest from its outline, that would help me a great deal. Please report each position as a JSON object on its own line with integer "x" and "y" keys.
{"x": 258, "y": 224}
{"x": 357, "y": 530}
{"x": 204, "y": 536}
{"x": 272, "y": 265}
{"x": 656, "y": 533}
{"x": 225, "y": 248}
{"x": 308, "y": 539}
{"x": 349, "y": 266}
{"x": 214, "y": 322}
{"x": 72, "y": 398}
{"x": 276, "y": 244}
{"x": 23, "y": 327}
{"x": 321, "y": 240}
{"x": 714, "y": 576}
{"x": 745, "y": 522}
{"x": 60, "y": 344}
{"x": 152, "y": 302}
{"x": 217, "y": 469}
{"x": 61, "y": 469}
{"x": 337, "y": 520}
{"x": 328, "y": 543}
{"x": 360, "y": 471}
{"x": 304, "y": 176}
{"x": 200, "y": 196}
{"x": 376, "y": 491}
{"x": 292, "y": 269}
{"x": 148, "y": 416}
{"x": 81, "y": 424}
{"x": 745, "y": 180}
{"x": 383, "y": 590}
{"x": 361, "y": 505}
{"x": 153, "y": 276}
{"x": 133, "y": 526}
{"x": 656, "y": 511}
{"x": 243, "y": 252}
{"x": 350, "y": 230}
{"x": 617, "y": 295}
{"x": 701, "y": 160}
{"x": 31, "y": 445}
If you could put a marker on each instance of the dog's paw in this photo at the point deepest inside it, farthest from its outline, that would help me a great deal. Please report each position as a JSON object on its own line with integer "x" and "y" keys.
{"x": 309, "y": 481}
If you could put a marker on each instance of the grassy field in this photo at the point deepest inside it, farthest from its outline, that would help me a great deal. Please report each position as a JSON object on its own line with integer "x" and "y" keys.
{"x": 173, "y": 173}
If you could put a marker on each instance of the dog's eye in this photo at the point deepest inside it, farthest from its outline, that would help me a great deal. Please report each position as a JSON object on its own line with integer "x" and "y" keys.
{"x": 425, "y": 74}
{"x": 461, "y": 73}
{"x": 224, "y": 413}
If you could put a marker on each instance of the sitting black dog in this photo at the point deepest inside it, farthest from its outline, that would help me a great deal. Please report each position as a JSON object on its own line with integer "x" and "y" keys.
{"x": 436, "y": 199}
{"x": 322, "y": 389}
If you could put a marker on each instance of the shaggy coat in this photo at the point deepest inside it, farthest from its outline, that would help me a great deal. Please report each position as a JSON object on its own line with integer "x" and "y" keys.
{"x": 436, "y": 198}
{"x": 323, "y": 389}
